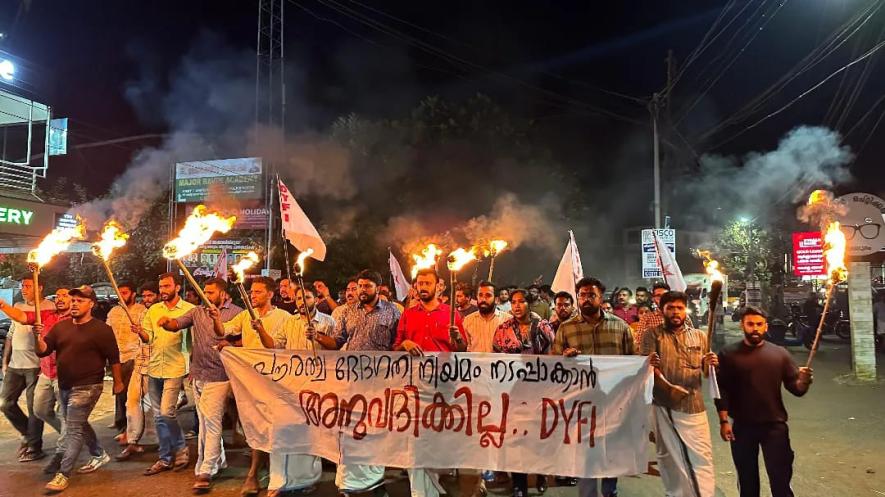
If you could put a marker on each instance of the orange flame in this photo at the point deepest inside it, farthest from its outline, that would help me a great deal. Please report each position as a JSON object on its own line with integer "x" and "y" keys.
{"x": 112, "y": 237}
{"x": 56, "y": 242}
{"x": 496, "y": 246}
{"x": 426, "y": 259}
{"x": 198, "y": 229}
{"x": 834, "y": 251}
{"x": 711, "y": 266}
{"x": 299, "y": 262}
{"x": 459, "y": 258}
{"x": 246, "y": 262}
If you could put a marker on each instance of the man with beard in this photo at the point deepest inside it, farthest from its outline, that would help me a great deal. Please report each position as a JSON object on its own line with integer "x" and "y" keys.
{"x": 642, "y": 295}
{"x": 150, "y": 294}
{"x": 297, "y": 471}
{"x": 166, "y": 371}
{"x": 682, "y": 433}
{"x": 481, "y": 325}
{"x": 594, "y": 332}
{"x": 21, "y": 370}
{"x": 83, "y": 347}
{"x": 655, "y": 318}
{"x": 211, "y": 384}
{"x": 286, "y": 292}
{"x": 350, "y": 298}
{"x": 563, "y": 309}
{"x": 524, "y": 333}
{"x": 129, "y": 345}
{"x": 623, "y": 308}
{"x": 535, "y": 302}
{"x": 504, "y": 299}
{"x": 368, "y": 325}
{"x": 257, "y": 334}
{"x": 751, "y": 373}
{"x": 463, "y": 304}
{"x": 425, "y": 328}
{"x": 47, "y": 406}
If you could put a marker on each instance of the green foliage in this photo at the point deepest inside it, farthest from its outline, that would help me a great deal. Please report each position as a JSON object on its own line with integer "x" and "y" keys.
{"x": 745, "y": 249}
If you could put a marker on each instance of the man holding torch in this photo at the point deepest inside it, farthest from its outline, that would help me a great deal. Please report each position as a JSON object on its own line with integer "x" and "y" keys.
{"x": 21, "y": 370}
{"x": 300, "y": 472}
{"x": 682, "y": 432}
{"x": 166, "y": 371}
{"x": 129, "y": 345}
{"x": 426, "y": 328}
{"x": 46, "y": 401}
{"x": 751, "y": 373}
{"x": 254, "y": 333}
{"x": 211, "y": 385}
{"x": 83, "y": 347}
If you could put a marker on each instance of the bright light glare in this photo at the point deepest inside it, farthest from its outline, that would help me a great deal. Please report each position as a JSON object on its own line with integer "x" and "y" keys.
{"x": 744, "y": 219}
{"x": 7, "y": 70}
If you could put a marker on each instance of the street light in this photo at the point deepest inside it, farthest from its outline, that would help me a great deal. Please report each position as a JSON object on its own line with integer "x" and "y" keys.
{"x": 7, "y": 69}
{"x": 744, "y": 219}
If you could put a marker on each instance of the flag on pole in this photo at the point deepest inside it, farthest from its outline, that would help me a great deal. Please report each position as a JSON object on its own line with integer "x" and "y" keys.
{"x": 297, "y": 228}
{"x": 220, "y": 270}
{"x": 570, "y": 269}
{"x": 669, "y": 268}
{"x": 399, "y": 279}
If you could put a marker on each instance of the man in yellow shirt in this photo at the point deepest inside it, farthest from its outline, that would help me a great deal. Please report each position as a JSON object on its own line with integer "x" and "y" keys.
{"x": 167, "y": 368}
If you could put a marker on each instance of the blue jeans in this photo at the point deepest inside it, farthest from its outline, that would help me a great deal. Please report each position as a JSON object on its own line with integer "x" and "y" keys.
{"x": 15, "y": 382}
{"x": 588, "y": 487}
{"x": 76, "y": 406}
{"x": 164, "y": 397}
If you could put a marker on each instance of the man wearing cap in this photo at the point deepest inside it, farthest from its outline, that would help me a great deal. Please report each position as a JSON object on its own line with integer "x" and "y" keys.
{"x": 167, "y": 368}
{"x": 83, "y": 346}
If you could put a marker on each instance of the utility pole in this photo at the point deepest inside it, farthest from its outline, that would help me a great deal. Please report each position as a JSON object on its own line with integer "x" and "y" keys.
{"x": 658, "y": 100}
{"x": 270, "y": 95}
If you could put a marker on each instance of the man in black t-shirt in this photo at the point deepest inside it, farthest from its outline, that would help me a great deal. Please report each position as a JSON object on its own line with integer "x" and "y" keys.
{"x": 751, "y": 373}
{"x": 83, "y": 346}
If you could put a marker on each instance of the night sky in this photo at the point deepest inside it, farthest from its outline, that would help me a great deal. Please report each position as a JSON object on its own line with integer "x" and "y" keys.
{"x": 557, "y": 62}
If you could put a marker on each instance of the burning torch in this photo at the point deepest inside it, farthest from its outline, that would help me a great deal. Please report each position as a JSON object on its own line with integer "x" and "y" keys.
{"x": 715, "y": 298}
{"x": 198, "y": 229}
{"x": 495, "y": 247}
{"x": 299, "y": 273}
{"x": 834, "y": 252}
{"x": 455, "y": 261}
{"x": 55, "y": 242}
{"x": 239, "y": 270}
{"x": 426, "y": 259}
{"x": 112, "y": 237}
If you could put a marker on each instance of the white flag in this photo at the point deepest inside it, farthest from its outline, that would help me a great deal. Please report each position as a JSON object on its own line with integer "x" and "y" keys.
{"x": 297, "y": 228}
{"x": 220, "y": 269}
{"x": 399, "y": 279}
{"x": 669, "y": 268}
{"x": 570, "y": 269}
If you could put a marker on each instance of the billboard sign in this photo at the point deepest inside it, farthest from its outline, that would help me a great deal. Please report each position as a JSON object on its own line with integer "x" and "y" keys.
{"x": 650, "y": 267}
{"x": 862, "y": 223}
{"x": 241, "y": 177}
{"x": 808, "y": 254}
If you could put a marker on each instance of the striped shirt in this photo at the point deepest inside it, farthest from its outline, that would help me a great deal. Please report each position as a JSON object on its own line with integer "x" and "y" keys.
{"x": 481, "y": 329}
{"x": 362, "y": 330}
{"x": 205, "y": 359}
{"x": 651, "y": 320}
{"x": 609, "y": 336}
{"x": 681, "y": 354}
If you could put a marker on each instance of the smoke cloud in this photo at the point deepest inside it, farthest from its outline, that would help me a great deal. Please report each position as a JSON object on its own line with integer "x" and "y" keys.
{"x": 807, "y": 157}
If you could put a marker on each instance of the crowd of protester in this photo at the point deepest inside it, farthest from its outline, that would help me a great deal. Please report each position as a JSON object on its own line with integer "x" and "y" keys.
{"x": 170, "y": 357}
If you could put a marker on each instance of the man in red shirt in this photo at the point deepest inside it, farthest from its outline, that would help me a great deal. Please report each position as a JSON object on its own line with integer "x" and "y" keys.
{"x": 425, "y": 327}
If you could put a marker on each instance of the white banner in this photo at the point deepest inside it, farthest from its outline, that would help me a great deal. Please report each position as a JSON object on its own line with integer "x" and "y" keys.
{"x": 582, "y": 417}
{"x": 570, "y": 270}
{"x": 297, "y": 228}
